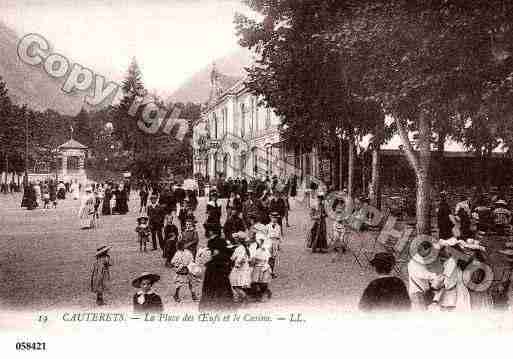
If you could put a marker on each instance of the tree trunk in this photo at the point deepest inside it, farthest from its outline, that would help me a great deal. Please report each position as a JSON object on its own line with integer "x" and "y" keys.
{"x": 375, "y": 188}
{"x": 340, "y": 164}
{"x": 420, "y": 165}
{"x": 6, "y": 165}
{"x": 350, "y": 171}
{"x": 439, "y": 163}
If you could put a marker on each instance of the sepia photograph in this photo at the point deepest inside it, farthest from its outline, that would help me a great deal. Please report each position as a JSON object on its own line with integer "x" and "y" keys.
{"x": 235, "y": 174}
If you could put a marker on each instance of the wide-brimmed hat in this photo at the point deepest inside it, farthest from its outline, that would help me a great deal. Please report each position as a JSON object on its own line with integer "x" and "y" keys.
{"x": 102, "y": 250}
{"x": 451, "y": 242}
{"x": 146, "y": 275}
{"x": 240, "y": 235}
{"x": 383, "y": 258}
{"x": 501, "y": 202}
{"x": 321, "y": 194}
{"x": 274, "y": 215}
{"x": 88, "y": 189}
{"x": 340, "y": 195}
{"x": 212, "y": 226}
{"x": 431, "y": 257}
{"x": 217, "y": 243}
{"x": 259, "y": 227}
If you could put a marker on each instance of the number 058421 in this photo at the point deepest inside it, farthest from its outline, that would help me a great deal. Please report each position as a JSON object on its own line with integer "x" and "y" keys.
{"x": 27, "y": 346}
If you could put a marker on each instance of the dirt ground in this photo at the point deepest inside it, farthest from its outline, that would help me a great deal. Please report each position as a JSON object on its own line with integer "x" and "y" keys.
{"x": 45, "y": 263}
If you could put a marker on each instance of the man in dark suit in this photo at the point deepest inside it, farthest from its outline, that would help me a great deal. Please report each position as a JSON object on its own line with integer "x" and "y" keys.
{"x": 156, "y": 215}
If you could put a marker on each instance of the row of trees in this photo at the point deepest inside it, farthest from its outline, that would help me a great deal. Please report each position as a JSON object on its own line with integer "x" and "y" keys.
{"x": 116, "y": 143}
{"x": 336, "y": 69}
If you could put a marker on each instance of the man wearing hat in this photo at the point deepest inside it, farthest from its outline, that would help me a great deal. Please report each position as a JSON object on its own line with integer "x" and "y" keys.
{"x": 250, "y": 208}
{"x": 501, "y": 216}
{"x": 156, "y": 215}
{"x": 146, "y": 300}
{"x": 100, "y": 274}
{"x": 387, "y": 293}
{"x": 278, "y": 206}
{"x": 214, "y": 209}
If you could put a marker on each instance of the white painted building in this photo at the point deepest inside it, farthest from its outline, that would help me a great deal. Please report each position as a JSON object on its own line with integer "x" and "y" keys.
{"x": 238, "y": 136}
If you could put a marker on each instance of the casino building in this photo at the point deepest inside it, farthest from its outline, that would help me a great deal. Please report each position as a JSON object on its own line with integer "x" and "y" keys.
{"x": 238, "y": 136}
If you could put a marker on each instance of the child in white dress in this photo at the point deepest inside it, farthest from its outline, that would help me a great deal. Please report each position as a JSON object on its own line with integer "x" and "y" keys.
{"x": 274, "y": 233}
{"x": 181, "y": 262}
{"x": 240, "y": 276}
{"x": 261, "y": 273}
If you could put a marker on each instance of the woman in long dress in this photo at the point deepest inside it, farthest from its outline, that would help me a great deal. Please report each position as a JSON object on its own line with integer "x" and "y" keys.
{"x": 217, "y": 291}
{"x": 317, "y": 239}
{"x": 106, "y": 210}
{"x": 123, "y": 200}
{"x": 86, "y": 212}
{"x": 75, "y": 190}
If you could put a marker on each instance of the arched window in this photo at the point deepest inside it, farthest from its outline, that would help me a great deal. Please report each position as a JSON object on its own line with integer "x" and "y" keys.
{"x": 268, "y": 118}
{"x": 225, "y": 121}
{"x": 73, "y": 163}
{"x": 252, "y": 125}
{"x": 215, "y": 125}
{"x": 243, "y": 120}
{"x": 257, "y": 125}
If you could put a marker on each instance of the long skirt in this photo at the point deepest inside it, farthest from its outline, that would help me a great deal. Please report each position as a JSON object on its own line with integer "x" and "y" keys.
{"x": 261, "y": 274}
{"x": 61, "y": 193}
{"x": 106, "y": 206}
{"x": 241, "y": 276}
{"x": 317, "y": 239}
{"x": 87, "y": 221}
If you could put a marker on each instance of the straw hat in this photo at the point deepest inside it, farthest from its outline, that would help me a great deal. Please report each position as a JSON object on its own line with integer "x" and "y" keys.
{"x": 146, "y": 275}
{"x": 384, "y": 258}
{"x": 259, "y": 227}
{"x": 102, "y": 250}
{"x": 239, "y": 235}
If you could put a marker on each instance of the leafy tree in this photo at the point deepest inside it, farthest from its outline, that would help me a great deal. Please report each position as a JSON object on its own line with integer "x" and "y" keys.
{"x": 314, "y": 87}
{"x": 11, "y": 132}
{"x": 423, "y": 56}
{"x": 125, "y": 125}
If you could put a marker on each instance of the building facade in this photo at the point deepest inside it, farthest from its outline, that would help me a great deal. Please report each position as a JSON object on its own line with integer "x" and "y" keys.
{"x": 70, "y": 161}
{"x": 238, "y": 136}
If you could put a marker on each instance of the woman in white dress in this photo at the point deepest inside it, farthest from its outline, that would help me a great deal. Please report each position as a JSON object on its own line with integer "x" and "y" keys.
{"x": 86, "y": 212}
{"x": 454, "y": 295}
{"x": 75, "y": 190}
{"x": 37, "y": 190}
{"x": 240, "y": 276}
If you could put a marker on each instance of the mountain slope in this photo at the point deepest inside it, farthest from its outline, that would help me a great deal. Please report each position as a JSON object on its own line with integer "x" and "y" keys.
{"x": 197, "y": 87}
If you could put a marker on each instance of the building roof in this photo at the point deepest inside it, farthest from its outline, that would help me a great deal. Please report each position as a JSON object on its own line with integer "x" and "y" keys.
{"x": 73, "y": 144}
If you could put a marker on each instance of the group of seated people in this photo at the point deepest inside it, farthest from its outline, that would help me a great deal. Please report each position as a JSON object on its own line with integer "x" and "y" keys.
{"x": 484, "y": 215}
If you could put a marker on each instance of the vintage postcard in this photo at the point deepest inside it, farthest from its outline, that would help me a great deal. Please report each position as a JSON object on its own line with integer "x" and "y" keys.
{"x": 255, "y": 177}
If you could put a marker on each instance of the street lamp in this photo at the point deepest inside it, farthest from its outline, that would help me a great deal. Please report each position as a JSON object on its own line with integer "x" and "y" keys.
{"x": 25, "y": 181}
{"x": 340, "y": 136}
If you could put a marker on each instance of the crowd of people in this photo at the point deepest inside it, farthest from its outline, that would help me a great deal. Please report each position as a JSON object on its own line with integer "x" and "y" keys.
{"x": 451, "y": 271}
{"x": 242, "y": 255}
{"x": 239, "y": 261}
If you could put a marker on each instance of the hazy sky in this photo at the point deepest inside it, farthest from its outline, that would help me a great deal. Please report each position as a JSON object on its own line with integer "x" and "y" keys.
{"x": 171, "y": 39}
